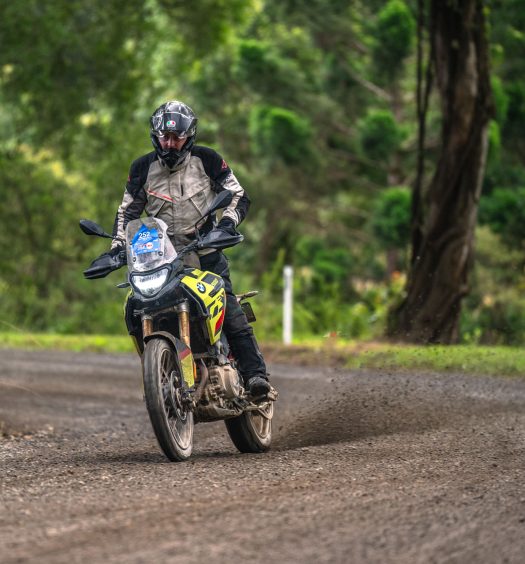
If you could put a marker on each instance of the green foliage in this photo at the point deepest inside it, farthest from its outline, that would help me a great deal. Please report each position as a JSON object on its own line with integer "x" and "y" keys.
{"x": 329, "y": 312}
{"x": 497, "y": 361}
{"x": 501, "y": 99}
{"x": 515, "y": 110}
{"x": 109, "y": 343}
{"x": 504, "y": 211}
{"x": 394, "y": 38}
{"x": 391, "y": 219}
{"x": 329, "y": 297}
{"x": 204, "y": 25}
{"x": 37, "y": 243}
{"x": 379, "y": 134}
{"x": 58, "y": 56}
{"x": 322, "y": 263}
{"x": 258, "y": 65}
{"x": 280, "y": 134}
{"x": 310, "y": 101}
{"x": 495, "y": 307}
{"x": 494, "y": 142}
{"x": 501, "y": 322}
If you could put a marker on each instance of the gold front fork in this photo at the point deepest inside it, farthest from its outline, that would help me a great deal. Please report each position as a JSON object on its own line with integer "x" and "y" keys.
{"x": 183, "y": 310}
{"x": 147, "y": 325}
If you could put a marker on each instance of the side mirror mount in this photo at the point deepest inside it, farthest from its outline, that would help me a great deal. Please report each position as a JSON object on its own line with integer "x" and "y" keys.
{"x": 91, "y": 228}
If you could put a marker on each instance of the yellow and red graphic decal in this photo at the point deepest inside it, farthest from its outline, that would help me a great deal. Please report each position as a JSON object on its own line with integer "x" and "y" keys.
{"x": 188, "y": 366}
{"x": 220, "y": 321}
{"x": 204, "y": 286}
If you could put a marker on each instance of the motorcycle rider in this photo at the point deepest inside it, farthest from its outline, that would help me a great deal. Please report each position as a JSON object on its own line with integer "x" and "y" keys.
{"x": 176, "y": 183}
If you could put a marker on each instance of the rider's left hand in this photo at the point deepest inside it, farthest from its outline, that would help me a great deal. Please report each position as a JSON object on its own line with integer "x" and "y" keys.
{"x": 227, "y": 226}
{"x": 222, "y": 236}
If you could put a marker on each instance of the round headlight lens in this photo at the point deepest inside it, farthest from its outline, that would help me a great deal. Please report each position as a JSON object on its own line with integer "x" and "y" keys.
{"x": 149, "y": 284}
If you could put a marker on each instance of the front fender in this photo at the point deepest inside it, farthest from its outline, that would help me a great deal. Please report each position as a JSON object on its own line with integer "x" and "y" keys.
{"x": 184, "y": 356}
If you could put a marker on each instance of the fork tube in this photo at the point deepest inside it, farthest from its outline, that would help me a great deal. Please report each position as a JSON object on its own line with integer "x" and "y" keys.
{"x": 184, "y": 323}
{"x": 147, "y": 325}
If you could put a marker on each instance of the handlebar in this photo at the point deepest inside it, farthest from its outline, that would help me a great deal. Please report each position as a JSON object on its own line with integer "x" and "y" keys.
{"x": 193, "y": 246}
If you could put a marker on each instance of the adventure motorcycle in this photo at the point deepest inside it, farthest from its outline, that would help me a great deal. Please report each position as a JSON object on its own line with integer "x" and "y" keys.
{"x": 189, "y": 374}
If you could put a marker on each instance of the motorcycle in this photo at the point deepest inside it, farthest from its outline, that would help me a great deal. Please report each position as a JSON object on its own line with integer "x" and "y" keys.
{"x": 189, "y": 373}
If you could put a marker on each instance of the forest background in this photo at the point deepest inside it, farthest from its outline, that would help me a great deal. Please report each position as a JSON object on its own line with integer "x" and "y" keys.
{"x": 313, "y": 105}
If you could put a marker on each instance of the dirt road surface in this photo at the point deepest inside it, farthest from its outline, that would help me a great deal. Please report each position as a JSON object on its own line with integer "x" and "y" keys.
{"x": 365, "y": 467}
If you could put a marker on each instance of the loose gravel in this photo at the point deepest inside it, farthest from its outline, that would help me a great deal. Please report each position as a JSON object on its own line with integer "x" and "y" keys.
{"x": 365, "y": 467}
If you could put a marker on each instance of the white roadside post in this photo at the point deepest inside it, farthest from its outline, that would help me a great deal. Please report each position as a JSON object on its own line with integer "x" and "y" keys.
{"x": 287, "y": 305}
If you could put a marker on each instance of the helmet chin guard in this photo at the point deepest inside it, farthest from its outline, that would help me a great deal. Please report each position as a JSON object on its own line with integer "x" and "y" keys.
{"x": 170, "y": 157}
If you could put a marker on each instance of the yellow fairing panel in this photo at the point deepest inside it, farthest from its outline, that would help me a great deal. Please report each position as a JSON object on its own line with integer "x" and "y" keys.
{"x": 209, "y": 289}
{"x": 187, "y": 365}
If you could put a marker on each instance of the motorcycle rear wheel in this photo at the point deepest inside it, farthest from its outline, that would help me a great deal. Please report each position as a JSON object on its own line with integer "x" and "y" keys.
{"x": 252, "y": 431}
{"x": 172, "y": 422}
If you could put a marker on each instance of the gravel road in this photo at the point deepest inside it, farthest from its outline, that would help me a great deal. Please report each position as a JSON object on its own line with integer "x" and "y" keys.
{"x": 366, "y": 467}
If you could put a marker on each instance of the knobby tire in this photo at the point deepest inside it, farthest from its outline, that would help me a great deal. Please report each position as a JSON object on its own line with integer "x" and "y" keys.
{"x": 172, "y": 424}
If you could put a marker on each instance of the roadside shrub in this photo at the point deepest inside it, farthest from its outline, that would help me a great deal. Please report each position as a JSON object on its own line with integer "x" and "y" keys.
{"x": 379, "y": 134}
{"x": 499, "y": 323}
{"x": 395, "y": 33}
{"x": 391, "y": 218}
{"x": 280, "y": 134}
{"x": 494, "y": 311}
{"x": 328, "y": 309}
{"x": 504, "y": 211}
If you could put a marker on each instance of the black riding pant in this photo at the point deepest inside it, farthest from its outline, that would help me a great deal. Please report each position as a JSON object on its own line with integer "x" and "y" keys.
{"x": 236, "y": 327}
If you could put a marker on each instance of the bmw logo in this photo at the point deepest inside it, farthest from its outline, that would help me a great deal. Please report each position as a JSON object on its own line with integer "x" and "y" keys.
{"x": 201, "y": 287}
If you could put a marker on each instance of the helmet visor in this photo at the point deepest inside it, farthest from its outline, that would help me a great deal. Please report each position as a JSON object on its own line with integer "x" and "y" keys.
{"x": 167, "y": 134}
{"x": 174, "y": 122}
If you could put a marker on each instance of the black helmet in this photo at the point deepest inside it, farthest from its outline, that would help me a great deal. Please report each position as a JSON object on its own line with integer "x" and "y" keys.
{"x": 173, "y": 117}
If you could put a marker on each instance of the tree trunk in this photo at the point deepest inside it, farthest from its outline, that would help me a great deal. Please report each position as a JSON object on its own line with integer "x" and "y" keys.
{"x": 444, "y": 221}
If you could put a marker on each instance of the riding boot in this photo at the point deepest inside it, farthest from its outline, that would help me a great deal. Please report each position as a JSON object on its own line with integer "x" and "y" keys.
{"x": 243, "y": 344}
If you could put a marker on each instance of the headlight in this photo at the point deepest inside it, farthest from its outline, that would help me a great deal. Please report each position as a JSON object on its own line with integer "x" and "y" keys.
{"x": 149, "y": 284}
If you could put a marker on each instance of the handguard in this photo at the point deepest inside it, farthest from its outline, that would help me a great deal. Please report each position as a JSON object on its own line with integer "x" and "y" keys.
{"x": 104, "y": 265}
{"x": 219, "y": 239}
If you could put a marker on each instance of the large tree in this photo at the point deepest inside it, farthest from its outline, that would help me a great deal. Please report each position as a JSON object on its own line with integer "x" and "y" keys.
{"x": 445, "y": 213}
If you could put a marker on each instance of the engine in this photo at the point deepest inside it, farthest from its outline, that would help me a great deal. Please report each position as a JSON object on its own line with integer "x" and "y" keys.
{"x": 222, "y": 387}
{"x": 223, "y": 383}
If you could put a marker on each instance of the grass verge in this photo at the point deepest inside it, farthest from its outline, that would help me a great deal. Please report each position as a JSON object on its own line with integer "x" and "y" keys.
{"x": 77, "y": 343}
{"x": 508, "y": 361}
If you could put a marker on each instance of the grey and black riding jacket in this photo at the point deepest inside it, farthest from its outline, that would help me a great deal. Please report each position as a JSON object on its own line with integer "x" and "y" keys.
{"x": 179, "y": 196}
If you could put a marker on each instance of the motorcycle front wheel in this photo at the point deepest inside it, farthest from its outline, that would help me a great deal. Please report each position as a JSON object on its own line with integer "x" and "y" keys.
{"x": 252, "y": 431}
{"x": 172, "y": 422}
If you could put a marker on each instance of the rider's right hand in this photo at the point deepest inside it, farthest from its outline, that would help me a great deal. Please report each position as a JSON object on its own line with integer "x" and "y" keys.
{"x": 106, "y": 263}
{"x": 118, "y": 252}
